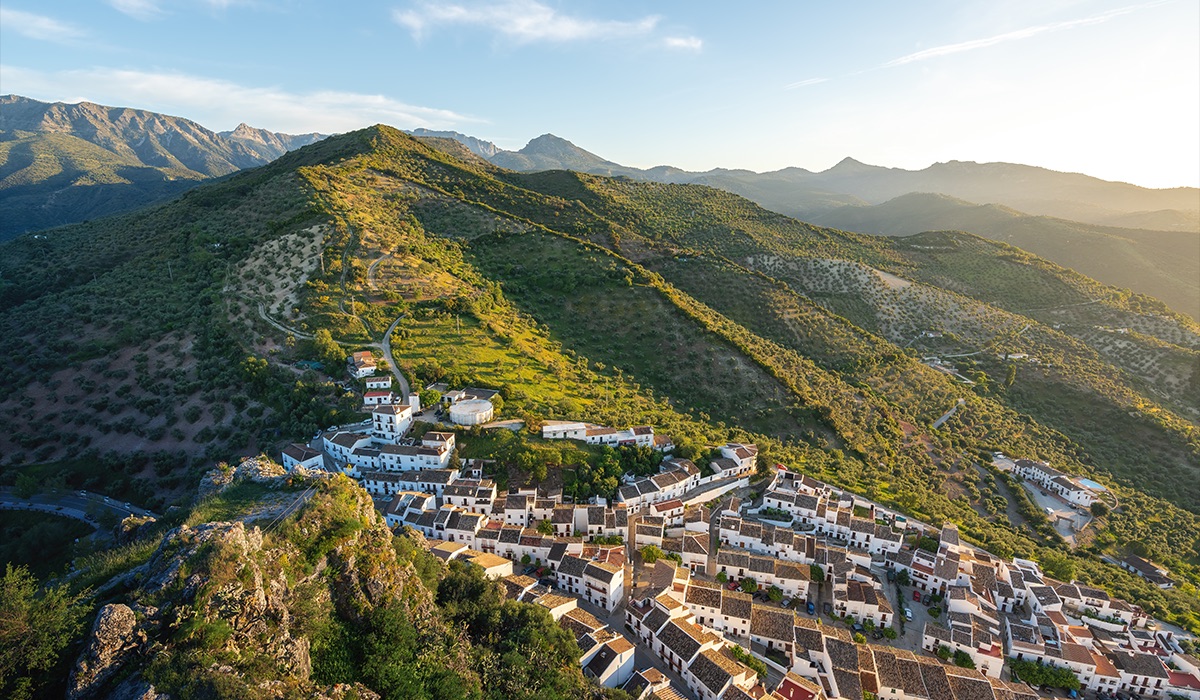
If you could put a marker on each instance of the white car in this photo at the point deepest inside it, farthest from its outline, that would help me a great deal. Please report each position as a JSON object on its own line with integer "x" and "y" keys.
{"x": 908, "y": 614}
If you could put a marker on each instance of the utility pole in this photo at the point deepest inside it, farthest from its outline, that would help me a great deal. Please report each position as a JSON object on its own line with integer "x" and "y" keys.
{"x": 169, "y": 273}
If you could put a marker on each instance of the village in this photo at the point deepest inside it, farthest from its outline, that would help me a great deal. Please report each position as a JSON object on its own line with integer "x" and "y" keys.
{"x": 694, "y": 583}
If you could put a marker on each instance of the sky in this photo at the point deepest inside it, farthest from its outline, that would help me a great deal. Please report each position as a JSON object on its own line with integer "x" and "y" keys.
{"x": 1106, "y": 88}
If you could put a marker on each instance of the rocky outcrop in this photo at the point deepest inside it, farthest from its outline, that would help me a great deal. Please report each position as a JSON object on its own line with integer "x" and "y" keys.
{"x": 224, "y": 590}
{"x": 222, "y": 476}
{"x": 115, "y": 636}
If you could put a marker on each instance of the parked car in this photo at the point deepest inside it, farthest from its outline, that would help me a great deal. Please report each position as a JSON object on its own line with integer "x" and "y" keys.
{"x": 877, "y": 634}
{"x": 827, "y": 608}
{"x": 812, "y": 609}
{"x": 891, "y": 575}
{"x": 547, "y": 582}
{"x": 786, "y": 602}
{"x": 926, "y": 599}
{"x": 908, "y": 614}
{"x": 732, "y": 585}
{"x": 917, "y": 595}
{"x": 858, "y": 627}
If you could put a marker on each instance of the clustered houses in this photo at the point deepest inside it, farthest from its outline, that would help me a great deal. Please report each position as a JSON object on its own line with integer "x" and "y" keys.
{"x": 816, "y": 505}
{"x": 693, "y": 627}
{"x": 1066, "y": 487}
{"x": 992, "y": 606}
{"x": 790, "y": 577}
{"x": 641, "y": 435}
{"x": 680, "y": 480}
{"x": 607, "y": 656}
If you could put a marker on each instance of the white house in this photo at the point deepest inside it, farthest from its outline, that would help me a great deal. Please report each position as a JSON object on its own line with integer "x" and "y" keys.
{"x": 300, "y": 455}
{"x": 379, "y": 383}
{"x": 361, "y": 364}
{"x": 390, "y": 422}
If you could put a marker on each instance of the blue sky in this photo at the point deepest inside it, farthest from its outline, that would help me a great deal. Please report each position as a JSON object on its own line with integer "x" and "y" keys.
{"x": 1111, "y": 89}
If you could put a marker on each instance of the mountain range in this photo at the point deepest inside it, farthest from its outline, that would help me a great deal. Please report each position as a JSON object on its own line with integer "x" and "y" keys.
{"x": 62, "y": 163}
{"x": 1142, "y": 239}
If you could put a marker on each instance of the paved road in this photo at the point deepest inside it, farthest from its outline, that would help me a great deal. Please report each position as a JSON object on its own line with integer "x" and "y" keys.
{"x": 79, "y": 505}
{"x": 945, "y": 417}
{"x": 371, "y": 270}
{"x": 387, "y": 355}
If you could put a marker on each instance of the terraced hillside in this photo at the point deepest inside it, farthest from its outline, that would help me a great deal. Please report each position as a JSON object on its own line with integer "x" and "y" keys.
{"x": 597, "y": 299}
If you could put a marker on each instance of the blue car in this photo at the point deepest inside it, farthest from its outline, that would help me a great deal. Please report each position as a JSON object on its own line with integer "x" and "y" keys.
{"x": 812, "y": 609}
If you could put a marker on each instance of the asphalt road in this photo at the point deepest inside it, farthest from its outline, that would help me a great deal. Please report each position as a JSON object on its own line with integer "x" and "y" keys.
{"x": 80, "y": 505}
{"x": 387, "y": 355}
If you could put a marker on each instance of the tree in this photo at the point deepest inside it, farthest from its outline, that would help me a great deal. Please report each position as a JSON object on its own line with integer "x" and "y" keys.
{"x": 650, "y": 553}
{"x": 944, "y": 652}
{"x": 722, "y": 578}
{"x": 860, "y": 638}
{"x": 525, "y": 558}
{"x": 1011, "y": 376}
{"x": 903, "y": 578}
{"x": 963, "y": 660}
{"x": 545, "y": 527}
{"x": 816, "y": 572}
{"x": 1099, "y": 509}
{"x": 890, "y": 632}
{"x": 328, "y": 351}
{"x": 749, "y": 585}
{"x": 1057, "y": 565}
{"x": 26, "y": 485}
{"x": 35, "y": 628}
{"x": 429, "y": 398}
{"x": 775, "y": 594}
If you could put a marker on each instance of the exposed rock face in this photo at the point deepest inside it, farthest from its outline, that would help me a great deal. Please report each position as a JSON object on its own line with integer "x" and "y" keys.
{"x": 249, "y": 601}
{"x": 258, "y": 469}
{"x": 127, "y": 530}
{"x": 115, "y": 636}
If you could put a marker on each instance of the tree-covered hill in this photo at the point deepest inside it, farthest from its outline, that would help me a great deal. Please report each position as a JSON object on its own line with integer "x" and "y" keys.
{"x": 177, "y": 330}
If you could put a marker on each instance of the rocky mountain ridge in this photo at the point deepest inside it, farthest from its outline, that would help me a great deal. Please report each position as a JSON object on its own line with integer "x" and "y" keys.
{"x": 62, "y": 163}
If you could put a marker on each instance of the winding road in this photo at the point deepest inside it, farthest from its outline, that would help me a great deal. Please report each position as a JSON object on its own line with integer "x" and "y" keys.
{"x": 79, "y": 505}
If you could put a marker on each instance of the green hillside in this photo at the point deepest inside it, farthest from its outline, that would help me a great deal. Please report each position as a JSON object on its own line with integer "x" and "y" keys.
{"x": 44, "y": 175}
{"x": 171, "y": 334}
{"x": 1161, "y": 264}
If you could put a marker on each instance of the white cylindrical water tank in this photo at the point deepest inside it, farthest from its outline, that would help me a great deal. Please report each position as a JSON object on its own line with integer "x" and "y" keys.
{"x": 472, "y": 412}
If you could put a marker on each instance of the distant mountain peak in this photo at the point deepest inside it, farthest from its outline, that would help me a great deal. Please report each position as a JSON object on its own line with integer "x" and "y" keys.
{"x": 850, "y": 166}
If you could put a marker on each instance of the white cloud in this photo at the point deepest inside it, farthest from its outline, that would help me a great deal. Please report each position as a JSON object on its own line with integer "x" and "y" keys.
{"x": 525, "y": 21}
{"x": 138, "y": 9}
{"x": 687, "y": 43}
{"x": 38, "y": 27}
{"x": 1016, "y": 35}
{"x": 803, "y": 83}
{"x": 221, "y": 104}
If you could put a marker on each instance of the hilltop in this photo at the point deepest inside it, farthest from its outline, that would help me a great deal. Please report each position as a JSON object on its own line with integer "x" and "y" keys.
{"x": 63, "y": 163}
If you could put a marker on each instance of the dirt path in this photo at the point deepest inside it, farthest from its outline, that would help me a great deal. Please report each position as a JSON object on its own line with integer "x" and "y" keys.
{"x": 262, "y": 312}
